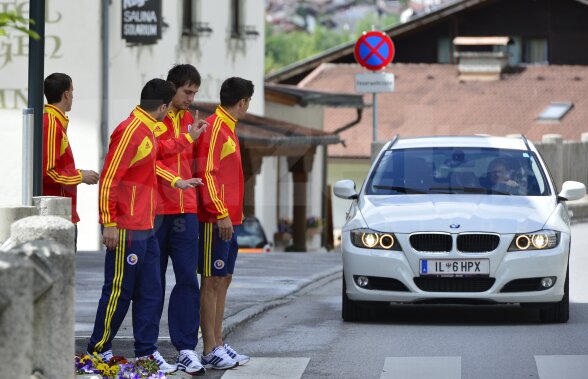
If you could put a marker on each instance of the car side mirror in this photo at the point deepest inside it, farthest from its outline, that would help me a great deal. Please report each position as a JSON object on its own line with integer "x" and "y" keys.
{"x": 345, "y": 189}
{"x": 572, "y": 190}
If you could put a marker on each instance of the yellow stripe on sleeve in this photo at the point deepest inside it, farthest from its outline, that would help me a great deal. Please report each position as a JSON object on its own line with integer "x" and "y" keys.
{"x": 113, "y": 168}
{"x": 209, "y": 167}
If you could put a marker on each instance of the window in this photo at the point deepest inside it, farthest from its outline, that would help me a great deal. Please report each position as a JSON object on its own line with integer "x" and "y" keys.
{"x": 236, "y": 18}
{"x": 535, "y": 50}
{"x": 555, "y": 111}
{"x": 191, "y": 26}
{"x": 238, "y": 27}
{"x": 452, "y": 170}
{"x": 443, "y": 50}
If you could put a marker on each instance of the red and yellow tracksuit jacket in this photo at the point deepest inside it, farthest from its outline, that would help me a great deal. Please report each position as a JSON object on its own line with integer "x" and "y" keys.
{"x": 173, "y": 200}
{"x": 128, "y": 181}
{"x": 60, "y": 176}
{"x": 218, "y": 163}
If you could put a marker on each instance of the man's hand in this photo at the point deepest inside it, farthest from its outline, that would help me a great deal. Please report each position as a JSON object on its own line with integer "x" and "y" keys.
{"x": 110, "y": 237}
{"x": 225, "y": 228}
{"x": 89, "y": 176}
{"x": 188, "y": 183}
{"x": 197, "y": 129}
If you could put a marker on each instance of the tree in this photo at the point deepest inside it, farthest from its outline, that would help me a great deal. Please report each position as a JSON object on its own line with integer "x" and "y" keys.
{"x": 11, "y": 20}
{"x": 283, "y": 48}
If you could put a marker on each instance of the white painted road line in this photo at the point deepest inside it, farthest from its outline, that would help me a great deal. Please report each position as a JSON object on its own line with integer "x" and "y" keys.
{"x": 269, "y": 368}
{"x": 562, "y": 366}
{"x": 422, "y": 368}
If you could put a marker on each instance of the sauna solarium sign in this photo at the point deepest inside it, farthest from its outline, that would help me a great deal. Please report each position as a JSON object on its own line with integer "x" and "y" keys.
{"x": 141, "y": 21}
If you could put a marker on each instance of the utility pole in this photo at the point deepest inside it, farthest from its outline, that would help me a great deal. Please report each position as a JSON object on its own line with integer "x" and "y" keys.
{"x": 35, "y": 93}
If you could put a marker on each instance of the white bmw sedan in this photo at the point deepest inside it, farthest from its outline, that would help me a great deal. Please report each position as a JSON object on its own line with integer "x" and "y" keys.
{"x": 457, "y": 219}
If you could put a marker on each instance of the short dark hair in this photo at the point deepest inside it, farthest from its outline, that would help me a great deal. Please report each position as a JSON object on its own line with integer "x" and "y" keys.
{"x": 155, "y": 93}
{"x": 182, "y": 74}
{"x": 234, "y": 90}
{"x": 55, "y": 85}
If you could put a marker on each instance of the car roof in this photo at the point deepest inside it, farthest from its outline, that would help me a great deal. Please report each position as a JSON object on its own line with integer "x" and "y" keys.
{"x": 512, "y": 143}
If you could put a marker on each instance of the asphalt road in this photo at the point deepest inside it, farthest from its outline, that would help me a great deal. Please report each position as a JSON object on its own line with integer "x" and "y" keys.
{"x": 306, "y": 338}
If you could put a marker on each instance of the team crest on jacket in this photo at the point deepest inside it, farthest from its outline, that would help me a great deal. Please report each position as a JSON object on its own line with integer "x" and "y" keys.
{"x": 132, "y": 259}
{"x": 219, "y": 264}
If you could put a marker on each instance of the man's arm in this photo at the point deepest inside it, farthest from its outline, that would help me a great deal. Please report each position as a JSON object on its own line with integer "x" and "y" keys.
{"x": 210, "y": 192}
{"x": 53, "y": 136}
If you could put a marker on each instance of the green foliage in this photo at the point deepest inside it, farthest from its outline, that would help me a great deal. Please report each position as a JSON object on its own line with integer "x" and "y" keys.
{"x": 284, "y": 48}
{"x": 11, "y": 20}
{"x": 379, "y": 23}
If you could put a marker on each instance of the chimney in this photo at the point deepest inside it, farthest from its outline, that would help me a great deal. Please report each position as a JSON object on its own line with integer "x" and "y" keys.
{"x": 481, "y": 58}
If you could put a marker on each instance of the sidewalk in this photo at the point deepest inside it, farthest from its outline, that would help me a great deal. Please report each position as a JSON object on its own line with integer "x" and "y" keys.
{"x": 261, "y": 281}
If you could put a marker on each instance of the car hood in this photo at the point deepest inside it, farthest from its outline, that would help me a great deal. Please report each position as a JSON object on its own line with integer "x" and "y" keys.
{"x": 473, "y": 213}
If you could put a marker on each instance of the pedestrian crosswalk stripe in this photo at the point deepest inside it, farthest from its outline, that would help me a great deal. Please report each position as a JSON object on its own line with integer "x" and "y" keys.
{"x": 422, "y": 368}
{"x": 269, "y": 368}
{"x": 562, "y": 366}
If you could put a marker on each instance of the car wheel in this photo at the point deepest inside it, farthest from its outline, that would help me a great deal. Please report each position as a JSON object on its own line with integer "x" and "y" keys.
{"x": 351, "y": 310}
{"x": 558, "y": 312}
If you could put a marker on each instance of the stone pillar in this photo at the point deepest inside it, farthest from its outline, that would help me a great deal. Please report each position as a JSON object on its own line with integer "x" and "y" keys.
{"x": 16, "y": 317}
{"x": 552, "y": 152}
{"x": 251, "y": 168}
{"x": 53, "y": 206}
{"x": 52, "y": 253}
{"x": 10, "y": 214}
{"x": 44, "y": 228}
{"x": 300, "y": 167}
{"x": 375, "y": 149}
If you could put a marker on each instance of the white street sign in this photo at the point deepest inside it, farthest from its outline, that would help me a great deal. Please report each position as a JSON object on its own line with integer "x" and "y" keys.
{"x": 374, "y": 82}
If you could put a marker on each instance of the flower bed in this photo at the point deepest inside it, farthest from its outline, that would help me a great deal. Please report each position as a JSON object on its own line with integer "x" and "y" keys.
{"x": 117, "y": 367}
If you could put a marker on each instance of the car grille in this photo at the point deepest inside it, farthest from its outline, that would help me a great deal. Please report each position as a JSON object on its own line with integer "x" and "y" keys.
{"x": 436, "y": 284}
{"x": 431, "y": 242}
{"x": 477, "y": 243}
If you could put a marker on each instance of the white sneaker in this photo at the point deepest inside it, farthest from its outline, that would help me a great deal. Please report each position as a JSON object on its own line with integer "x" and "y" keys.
{"x": 218, "y": 359}
{"x": 164, "y": 367}
{"x": 188, "y": 362}
{"x": 106, "y": 356}
{"x": 241, "y": 359}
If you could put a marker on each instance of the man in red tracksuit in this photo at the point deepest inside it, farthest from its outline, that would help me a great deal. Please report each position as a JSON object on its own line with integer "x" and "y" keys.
{"x": 218, "y": 163}
{"x": 128, "y": 190}
{"x": 176, "y": 225}
{"x": 60, "y": 175}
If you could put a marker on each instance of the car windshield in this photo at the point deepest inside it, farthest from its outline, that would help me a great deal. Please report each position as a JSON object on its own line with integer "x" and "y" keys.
{"x": 451, "y": 170}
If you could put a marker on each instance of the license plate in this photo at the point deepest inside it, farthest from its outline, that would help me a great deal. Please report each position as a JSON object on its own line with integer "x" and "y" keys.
{"x": 454, "y": 267}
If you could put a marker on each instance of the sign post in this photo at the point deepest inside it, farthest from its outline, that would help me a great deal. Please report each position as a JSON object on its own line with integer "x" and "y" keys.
{"x": 374, "y": 50}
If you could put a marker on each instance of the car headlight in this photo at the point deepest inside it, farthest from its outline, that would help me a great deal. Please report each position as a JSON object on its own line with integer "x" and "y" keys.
{"x": 369, "y": 239}
{"x": 541, "y": 240}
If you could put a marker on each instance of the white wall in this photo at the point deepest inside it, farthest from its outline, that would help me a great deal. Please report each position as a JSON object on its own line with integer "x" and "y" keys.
{"x": 73, "y": 46}
{"x": 69, "y": 52}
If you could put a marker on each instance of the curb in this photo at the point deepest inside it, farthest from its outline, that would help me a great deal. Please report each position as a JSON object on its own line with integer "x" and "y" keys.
{"x": 233, "y": 321}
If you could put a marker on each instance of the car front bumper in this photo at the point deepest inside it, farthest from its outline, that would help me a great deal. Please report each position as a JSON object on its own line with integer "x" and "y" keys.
{"x": 504, "y": 268}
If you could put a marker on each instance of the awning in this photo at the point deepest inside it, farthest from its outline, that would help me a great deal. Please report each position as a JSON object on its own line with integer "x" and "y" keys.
{"x": 256, "y": 131}
{"x": 293, "y": 95}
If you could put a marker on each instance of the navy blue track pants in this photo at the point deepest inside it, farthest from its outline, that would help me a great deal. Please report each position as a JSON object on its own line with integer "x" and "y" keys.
{"x": 131, "y": 273}
{"x": 178, "y": 239}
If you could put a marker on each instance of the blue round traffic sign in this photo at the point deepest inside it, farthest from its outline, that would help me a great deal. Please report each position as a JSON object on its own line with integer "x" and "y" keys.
{"x": 374, "y": 50}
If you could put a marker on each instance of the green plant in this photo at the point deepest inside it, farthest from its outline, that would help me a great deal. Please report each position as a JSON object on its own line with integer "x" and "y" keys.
{"x": 11, "y": 20}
